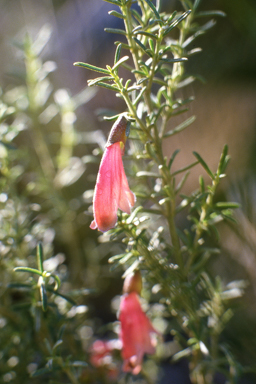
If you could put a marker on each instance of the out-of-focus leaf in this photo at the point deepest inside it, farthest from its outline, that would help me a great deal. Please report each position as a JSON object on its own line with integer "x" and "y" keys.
{"x": 70, "y": 174}
{"x": 180, "y": 127}
{"x": 91, "y": 67}
{"x": 204, "y": 165}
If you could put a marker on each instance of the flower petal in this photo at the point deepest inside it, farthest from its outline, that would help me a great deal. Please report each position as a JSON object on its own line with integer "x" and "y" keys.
{"x": 136, "y": 330}
{"x": 107, "y": 189}
{"x": 127, "y": 198}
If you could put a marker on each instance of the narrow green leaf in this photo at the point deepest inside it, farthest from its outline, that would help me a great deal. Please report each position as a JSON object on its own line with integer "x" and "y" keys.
{"x": 164, "y": 200}
{"x": 157, "y": 115}
{"x": 115, "y": 2}
{"x": 41, "y": 371}
{"x": 196, "y": 4}
{"x": 108, "y": 86}
{"x": 57, "y": 293}
{"x": 208, "y": 25}
{"x": 204, "y": 165}
{"x": 29, "y": 270}
{"x": 145, "y": 67}
{"x": 148, "y": 34}
{"x": 127, "y": 83}
{"x": 111, "y": 118}
{"x": 145, "y": 49}
{"x": 137, "y": 28}
{"x": 201, "y": 183}
{"x": 134, "y": 214}
{"x": 156, "y": 21}
{"x": 127, "y": 257}
{"x": 210, "y": 13}
{"x": 176, "y": 22}
{"x": 134, "y": 138}
{"x": 186, "y": 82}
{"x": 228, "y": 216}
{"x": 134, "y": 88}
{"x": 153, "y": 211}
{"x": 183, "y": 204}
{"x": 182, "y": 182}
{"x": 180, "y": 111}
{"x": 43, "y": 294}
{"x": 139, "y": 95}
{"x": 127, "y": 67}
{"x": 178, "y": 60}
{"x": 151, "y": 5}
{"x": 194, "y": 51}
{"x": 19, "y": 286}
{"x": 98, "y": 79}
{"x": 180, "y": 355}
{"x": 156, "y": 80}
{"x": 172, "y": 16}
{"x": 180, "y": 127}
{"x": 138, "y": 72}
{"x": 116, "y": 257}
{"x": 185, "y": 168}
{"x": 151, "y": 44}
{"x": 125, "y": 46}
{"x": 137, "y": 16}
{"x": 131, "y": 268}
{"x": 40, "y": 256}
{"x": 115, "y": 30}
{"x": 142, "y": 80}
{"x": 224, "y": 159}
{"x": 57, "y": 344}
{"x": 118, "y": 52}
{"x": 175, "y": 153}
{"x": 162, "y": 91}
{"x": 192, "y": 38}
{"x": 227, "y": 205}
{"x": 77, "y": 363}
{"x": 91, "y": 67}
{"x": 119, "y": 62}
{"x": 116, "y": 14}
{"x": 147, "y": 174}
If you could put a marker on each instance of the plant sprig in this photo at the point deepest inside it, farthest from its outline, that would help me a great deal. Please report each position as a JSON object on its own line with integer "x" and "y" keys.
{"x": 43, "y": 280}
{"x": 173, "y": 258}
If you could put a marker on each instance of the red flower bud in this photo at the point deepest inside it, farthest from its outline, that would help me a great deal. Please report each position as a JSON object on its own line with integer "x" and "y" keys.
{"x": 133, "y": 283}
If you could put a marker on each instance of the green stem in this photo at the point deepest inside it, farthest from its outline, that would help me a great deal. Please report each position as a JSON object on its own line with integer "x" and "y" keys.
{"x": 200, "y": 230}
{"x": 134, "y": 49}
{"x": 155, "y": 138}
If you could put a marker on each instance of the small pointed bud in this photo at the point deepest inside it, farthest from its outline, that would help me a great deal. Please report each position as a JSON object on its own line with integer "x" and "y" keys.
{"x": 133, "y": 283}
{"x": 118, "y": 131}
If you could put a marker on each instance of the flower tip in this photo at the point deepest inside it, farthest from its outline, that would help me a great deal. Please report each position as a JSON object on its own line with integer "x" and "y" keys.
{"x": 93, "y": 225}
{"x": 105, "y": 223}
{"x": 118, "y": 132}
{"x": 132, "y": 365}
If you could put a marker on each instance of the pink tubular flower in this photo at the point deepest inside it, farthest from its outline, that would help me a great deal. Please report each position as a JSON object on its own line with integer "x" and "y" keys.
{"x": 99, "y": 351}
{"x": 112, "y": 190}
{"x": 136, "y": 333}
{"x": 101, "y": 356}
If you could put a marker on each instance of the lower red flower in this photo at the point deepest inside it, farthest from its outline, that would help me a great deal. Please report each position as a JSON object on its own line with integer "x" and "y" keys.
{"x": 136, "y": 333}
